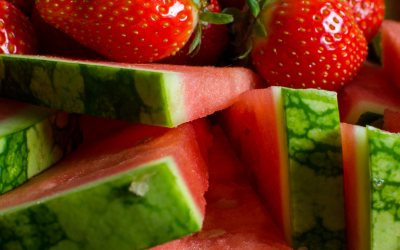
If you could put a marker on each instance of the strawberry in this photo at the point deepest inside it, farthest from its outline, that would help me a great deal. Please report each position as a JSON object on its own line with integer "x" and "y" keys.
{"x": 25, "y": 6}
{"x": 308, "y": 44}
{"x": 213, "y": 43}
{"x": 126, "y": 30}
{"x": 369, "y": 15}
{"x": 53, "y": 41}
{"x": 16, "y": 32}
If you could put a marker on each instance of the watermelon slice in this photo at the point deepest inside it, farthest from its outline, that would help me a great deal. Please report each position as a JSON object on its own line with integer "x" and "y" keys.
{"x": 32, "y": 139}
{"x": 371, "y": 168}
{"x": 125, "y": 192}
{"x": 235, "y": 217}
{"x": 390, "y": 43}
{"x": 163, "y": 95}
{"x": 365, "y": 98}
{"x": 391, "y": 121}
{"x": 289, "y": 141}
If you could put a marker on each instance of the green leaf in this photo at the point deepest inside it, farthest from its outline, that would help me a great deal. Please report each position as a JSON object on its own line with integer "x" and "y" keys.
{"x": 215, "y": 18}
{"x": 259, "y": 29}
{"x": 254, "y": 7}
{"x": 249, "y": 47}
{"x": 195, "y": 45}
{"x": 195, "y": 51}
{"x": 235, "y": 13}
{"x": 376, "y": 43}
{"x": 263, "y": 3}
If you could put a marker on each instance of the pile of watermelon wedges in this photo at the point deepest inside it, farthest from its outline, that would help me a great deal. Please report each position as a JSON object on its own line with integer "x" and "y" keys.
{"x": 198, "y": 124}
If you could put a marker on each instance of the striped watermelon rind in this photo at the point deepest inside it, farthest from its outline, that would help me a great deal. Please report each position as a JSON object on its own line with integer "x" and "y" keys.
{"x": 87, "y": 88}
{"x": 315, "y": 168}
{"x": 136, "y": 209}
{"x": 384, "y": 161}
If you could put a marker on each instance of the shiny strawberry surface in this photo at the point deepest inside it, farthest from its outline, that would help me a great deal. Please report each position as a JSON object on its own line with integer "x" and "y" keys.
{"x": 128, "y": 31}
{"x": 310, "y": 44}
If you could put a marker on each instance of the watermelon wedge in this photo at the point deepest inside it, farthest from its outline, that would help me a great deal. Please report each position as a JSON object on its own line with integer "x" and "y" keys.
{"x": 365, "y": 98}
{"x": 235, "y": 217}
{"x": 371, "y": 168}
{"x": 32, "y": 139}
{"x": 127, "y": 191}
{"x": 289, "y": 142}
{"x": 390, "y": 44}
{"x": 154, "y": 94}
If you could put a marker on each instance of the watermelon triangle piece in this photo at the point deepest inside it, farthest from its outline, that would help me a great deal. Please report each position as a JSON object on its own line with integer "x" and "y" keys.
{"x": 365, "y": 98}
{"x": 155, "y": 94}
{"x": 135, "y": 189}
{"x": 371, "y": 166}
{"x": 289, "y": 142}
{"x": 235, "y": 217}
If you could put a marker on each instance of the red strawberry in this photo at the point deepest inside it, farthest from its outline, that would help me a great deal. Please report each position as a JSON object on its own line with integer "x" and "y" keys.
{"x": 25, "y": 6}
{"x": 213, "y": 43}
{"x": 128, "y": 31}
{"x": 16, "y": 32}
{"x": 369, "y": 15}
{"x": 53, "y": 41}
{"x": 309, "y": 44}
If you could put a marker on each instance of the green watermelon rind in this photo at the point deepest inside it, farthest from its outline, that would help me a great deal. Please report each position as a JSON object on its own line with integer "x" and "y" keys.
{"x": 363, "y": 184}
{"x": 29, "y": 151}
{"x": 384, "y": 162}
{"x": 315, "y": 169}
{"x": 136, "y": 209}
{"x": 105, "y": 90}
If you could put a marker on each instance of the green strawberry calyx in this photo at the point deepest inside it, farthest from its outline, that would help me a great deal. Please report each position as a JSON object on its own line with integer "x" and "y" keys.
{"x": 251, "y": 25}
{"x": 206, "y": 17}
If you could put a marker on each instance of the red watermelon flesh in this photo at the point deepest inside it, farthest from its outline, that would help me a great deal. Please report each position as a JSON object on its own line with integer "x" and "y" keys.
{"x": 245, "y": 122}
{"x": 369, "y": 91}
{"x": 391, "y": 121}
{"x": 355, "y": 148}
{"x": 235, "y": 217}
{"x": 390, "y": 43}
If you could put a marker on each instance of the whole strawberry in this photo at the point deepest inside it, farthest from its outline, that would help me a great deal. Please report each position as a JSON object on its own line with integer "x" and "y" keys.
{"x": 214, "y": 39}
{"x": 369, "y": 15}
{"x": 309, "y": 44}
{"x": 126, "y": 30}
{"x": 16, "y": 32}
